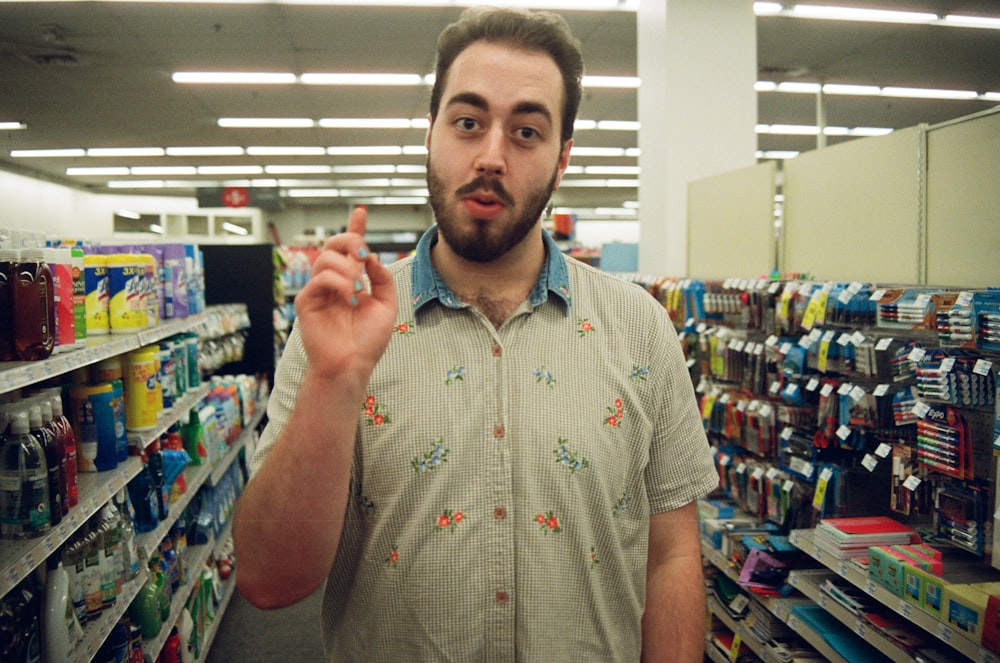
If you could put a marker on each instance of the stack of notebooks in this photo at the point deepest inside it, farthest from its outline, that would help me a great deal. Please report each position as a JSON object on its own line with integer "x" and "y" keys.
{"x": 847, "y": 538}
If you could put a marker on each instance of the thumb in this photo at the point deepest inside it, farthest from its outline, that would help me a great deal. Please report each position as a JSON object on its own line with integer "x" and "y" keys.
{"x": 358, "y": 220}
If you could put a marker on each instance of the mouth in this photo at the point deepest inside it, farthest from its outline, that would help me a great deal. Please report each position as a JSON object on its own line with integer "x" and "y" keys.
{"x": 483, "y": 205}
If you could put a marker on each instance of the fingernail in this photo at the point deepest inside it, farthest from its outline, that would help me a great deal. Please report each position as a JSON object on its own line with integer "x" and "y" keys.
{"x": 358, "y": 285}
{"x": 354, "y": 300}
{"x": 362, "y": 253}
{"x": 363, "y": 206}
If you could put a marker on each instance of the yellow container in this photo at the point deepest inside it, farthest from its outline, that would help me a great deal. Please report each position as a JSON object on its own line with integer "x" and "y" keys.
{"x": 126, "y": 282}
{"x": 96, "y": 301}
{"x": 143, "y": 395}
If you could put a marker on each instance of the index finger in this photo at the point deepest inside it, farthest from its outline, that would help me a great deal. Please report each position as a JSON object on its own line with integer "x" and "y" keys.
{"x": 358, "y": 220}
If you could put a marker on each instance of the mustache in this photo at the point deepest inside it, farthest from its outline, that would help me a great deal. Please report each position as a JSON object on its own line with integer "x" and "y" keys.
{"x": 488, "y": 184}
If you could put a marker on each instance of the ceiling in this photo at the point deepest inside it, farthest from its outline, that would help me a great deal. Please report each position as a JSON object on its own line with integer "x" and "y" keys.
{"x": 98, "y": 75}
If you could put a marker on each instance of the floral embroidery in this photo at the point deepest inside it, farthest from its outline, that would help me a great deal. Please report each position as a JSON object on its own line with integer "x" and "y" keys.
{"x": 431, "y": 459}
{"x": 569, "y": 458}
{"x": 615, "y": 414}
{"x": 455, "y": 374}
{"x": 593, "y": 558}
{"x": 542, "y": 375}
{"x": 373, "y": 412}
{"x": 584, "y": 326}
{"x": 639, "y": 373}
{"x": 392, "y": 558}
{"x": 405, "y": 328}
{"x": 621, "y": 506}
{"x": 547, "y": 522}
{"x": 449, "y": 520}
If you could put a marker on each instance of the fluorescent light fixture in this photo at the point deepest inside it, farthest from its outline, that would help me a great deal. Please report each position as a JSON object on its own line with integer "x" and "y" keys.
{"x": 861, "y": 90}
{"x": 163, "y": 170}
{"x": 870, "y": 131}
{"x": 110, "y": 171}
{"x": 394, "y": 200}
{"x": 633, "y": 152}
{"x": 232, "y": 151}
{"x": 414, "y": 150}
{"x": 777, "y": 154}
{"x": 70, "y": 152}
{"x": 925, "y": 93}
{"x": 156, "y": 228}
{"x": 365, "y": 123}
{"x": 265, "y": 183}
{"x": 764, "y": 8}
{"x": 403, "y": 182}
{"x": 373, "y": 169}
{"x": 365, "y": 150}
{"x": 235, "y": 229}
{"x": 622, "y": 184}
{"x": 405, "y": 168}
{"x": 611, "y": 170}
{"x": 135, "y": 184}
{"x": 573, "y": 169}
{"x": 361, "y": 79}
{"x": 13, "y": 126}
{"x": 128, "y": 214}
{"x": 992, "y": 96}
{"x": 230, "y": 170}
{"x": 614, "y": 211}
{"x": 961, "y": 21}
{"x": 860, "y": 14}
{"x": 233, "y": 77}
{"x": 584, "y": 125}
{"x": 125, "y": 152}
{"x": 765, "y": 86}
{"x": 597, "y": 151}
{"x": 377, "y": 182}
{"x": 266, "y": 122}
{"x": 313, "y": 193}
{"x": 617, "y": 125}
{"x": 584, "y": 184}
{"x": 631, "y": 204}
{"x": 622, "y": 82}
{"x": 799, "y": 88}
{"x": 297, "y": 170}
{"x": 788, "y": 129}
{"x": 836, "y": 131}
{"x": 279, "y": 151}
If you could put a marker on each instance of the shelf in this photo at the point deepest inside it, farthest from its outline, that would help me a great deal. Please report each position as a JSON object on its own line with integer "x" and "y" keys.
{"x": 803, "y": 539}
{"x": 18, "y": 558}
{"x": 96, "y": 632}
{"x": 15, "y": 375}
{"x": 738, "y": 628}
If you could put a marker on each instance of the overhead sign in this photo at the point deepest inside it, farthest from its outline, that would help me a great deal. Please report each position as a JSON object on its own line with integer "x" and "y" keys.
{"x": 240, "y": 196}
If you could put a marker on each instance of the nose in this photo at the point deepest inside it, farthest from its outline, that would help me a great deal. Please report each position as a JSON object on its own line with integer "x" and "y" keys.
{"x": 491, "y": 161}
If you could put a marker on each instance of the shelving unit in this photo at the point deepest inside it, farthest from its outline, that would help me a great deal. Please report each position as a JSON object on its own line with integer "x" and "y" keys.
{"x": 947, "y": 634}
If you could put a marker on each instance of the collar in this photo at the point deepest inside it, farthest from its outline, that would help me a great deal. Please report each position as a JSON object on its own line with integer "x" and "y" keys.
{"x": 427, "y": 284}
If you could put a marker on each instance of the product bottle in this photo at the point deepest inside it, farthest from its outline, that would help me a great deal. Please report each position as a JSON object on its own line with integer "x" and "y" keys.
{"x": 8, "y": 266}
{"x": 68, "y": 435}
{"x": 34, "y": 324}
{"x": 79, "y": 296}
{"x": 59, "y": 625}
{"x": 129, "y": 548}
{"x": 53, "y": 461}
{"x": 24, "y": 482}
{"x": 110, "y": 564}
{"x": 73, "y": 563}
{"x": 60, "y": 263}
{"x": 92, "y": 574}
{"x": 194, "y": 438}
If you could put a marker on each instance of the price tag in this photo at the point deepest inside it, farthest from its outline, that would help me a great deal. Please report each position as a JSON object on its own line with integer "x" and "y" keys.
{"x": 982, "y": 367}
{"x": 916, "y": 354}
{"x": 870, "y": 587}
{"x": 701, "y": 327}
{"x": 881, "y": 390}
{"x": 869, "y": 462}
{"x": 771, "y": 341}
{"x": 844, "y": 432}
{"x": 775, "y": 388}
{"x": 771, "y": 473}
{"x": 911, "y": 482}
{"x": 944, "y": 632}
{"x": 735, "y": 649}
{"x": 823, "y": 599}
{"x": 857, "y": 338}
{"x": 883, "y": 450}
{"x": 843, "y": 340}
{"x": 827, "y": 389}
{"x": 741, "y": 468}
{"x": 774, "y": 287}
{"x": 857, "y": 393}
{"x": 905, "y": 608}
{"x": 920, "y": 409}
{"x": 947, "y": 364}
{"x": 724, "y": 460}
{"x": 758, "y": 473}
{"x": 788, "y": 485}
{"x": 845, "y": 389}
{"x": 822, "y": 355}
{"x": 765, "y": 410}
{"x": 813, "y": 384}
{"x": 859, "y": 628}
{"x": 786, "y": 347}
{"x": 786, "y": 433}
{"x": 845, "y": 297}
{"x": 883, "y": 344}
{"x": 793, "y": 622}
{"x": 842, "y": 569}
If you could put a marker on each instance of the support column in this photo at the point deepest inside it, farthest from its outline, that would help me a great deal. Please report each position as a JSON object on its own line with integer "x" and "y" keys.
{"x": 698, "y": 109}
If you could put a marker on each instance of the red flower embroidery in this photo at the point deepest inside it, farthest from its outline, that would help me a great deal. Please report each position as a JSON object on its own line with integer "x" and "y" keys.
{"x": 403, "y": 328}
{"x": 552, "y": 522}
{"x": 370, "y": 401}
{"x": 458, "y": 517}
{"x": 449, "y": 520}
{"x": 547, "y": 522}
{"x": 613, "y": 421}
{"x": 378, "y": 419}
{"x": 540, "y": 519}
{"x": 619, "y": 404}
{"x": 444, "y": 521}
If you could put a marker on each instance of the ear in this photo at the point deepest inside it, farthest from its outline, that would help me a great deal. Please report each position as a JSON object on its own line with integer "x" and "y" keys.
{"x": 563, "y": 161}
{"x": 427, "y": 135}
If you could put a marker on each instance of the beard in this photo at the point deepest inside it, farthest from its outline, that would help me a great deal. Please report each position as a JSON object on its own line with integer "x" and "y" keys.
{"x": 487, "y": 240}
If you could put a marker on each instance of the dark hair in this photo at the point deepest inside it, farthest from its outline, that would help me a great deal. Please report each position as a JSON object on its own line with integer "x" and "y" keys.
{"x": 533, "y": 31}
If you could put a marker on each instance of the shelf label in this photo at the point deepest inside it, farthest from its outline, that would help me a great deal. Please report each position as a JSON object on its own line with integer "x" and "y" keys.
{"x": 944, "y": 632}
{"x": 869, "y": 462}
{"x": 870, "y": 587}
{"x": 883, "y": 450}
{"x": 883, "y": 344}
{"x": 905, "y": 608}
{"x": 911, "y": 482}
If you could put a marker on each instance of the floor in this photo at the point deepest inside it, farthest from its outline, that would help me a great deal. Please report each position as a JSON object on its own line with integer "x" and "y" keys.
{"x": 247, "y": 634}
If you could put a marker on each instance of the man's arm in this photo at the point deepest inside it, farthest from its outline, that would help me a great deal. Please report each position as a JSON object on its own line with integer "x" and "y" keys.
{"x": 673, "y": 626}
{"x": 289, "y": 519}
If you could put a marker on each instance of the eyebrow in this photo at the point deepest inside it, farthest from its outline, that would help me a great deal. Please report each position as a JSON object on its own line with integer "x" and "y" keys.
{"x": 523, "y": 108}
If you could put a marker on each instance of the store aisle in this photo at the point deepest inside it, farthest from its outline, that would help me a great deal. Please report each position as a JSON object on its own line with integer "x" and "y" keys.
{"x": 269, "y": 636}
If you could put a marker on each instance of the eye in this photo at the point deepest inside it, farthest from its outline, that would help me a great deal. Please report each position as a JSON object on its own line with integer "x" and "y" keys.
{"x": 527, "y": 133}
{"x": 466, "y": 124}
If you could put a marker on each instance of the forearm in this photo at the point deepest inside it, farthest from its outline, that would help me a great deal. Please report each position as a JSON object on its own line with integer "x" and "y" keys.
{"x": 290, "y": 517}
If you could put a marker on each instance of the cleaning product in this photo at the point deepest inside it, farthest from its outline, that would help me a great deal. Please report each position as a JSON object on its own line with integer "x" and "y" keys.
{"x": 24, "y": 482}
{"x": 60, "y": 627}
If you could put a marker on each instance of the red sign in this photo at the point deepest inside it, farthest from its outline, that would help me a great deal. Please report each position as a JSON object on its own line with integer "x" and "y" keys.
{"x": 235, "y": 196}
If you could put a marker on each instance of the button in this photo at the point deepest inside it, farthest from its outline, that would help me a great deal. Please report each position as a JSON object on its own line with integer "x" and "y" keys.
{"x": 497, "y": 351}
{"x": 502, "y": 597}
{"x": 498, "y": 431}
{"x": 499, "y": 513}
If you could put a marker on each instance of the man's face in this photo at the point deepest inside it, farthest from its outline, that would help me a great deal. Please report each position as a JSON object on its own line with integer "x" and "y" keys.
{"x": 494, "y": 151}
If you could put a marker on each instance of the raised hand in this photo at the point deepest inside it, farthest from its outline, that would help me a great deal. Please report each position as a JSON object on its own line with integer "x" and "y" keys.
{"x": 346, "y": 325}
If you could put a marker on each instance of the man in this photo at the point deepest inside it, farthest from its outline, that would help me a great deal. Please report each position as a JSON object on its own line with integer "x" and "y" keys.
{"x": 490, "y": 452}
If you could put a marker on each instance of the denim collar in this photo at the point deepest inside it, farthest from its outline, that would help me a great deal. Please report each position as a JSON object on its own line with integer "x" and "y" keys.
{"x": 428, "y": 284}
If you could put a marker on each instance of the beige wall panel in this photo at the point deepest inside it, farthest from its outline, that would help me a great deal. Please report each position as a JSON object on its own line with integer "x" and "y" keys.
{"x": 852, "y": 211}
{"x": 963, "y": 202}
{"x": 731, "y": 224}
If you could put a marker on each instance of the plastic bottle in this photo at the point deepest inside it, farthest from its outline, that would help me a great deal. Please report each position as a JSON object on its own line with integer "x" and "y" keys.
{"x": 73, "y": 564}
{"x": 96, "y": 295}
{"x": 55, "y": 457}
{"x": 24, "y": 482}
{"x": 34, "y": 324}
{"x": 129, "y": 547}
{"x": 194, "y": 438}
{"x": 59, "y": 625}
{"x": 110, "y": 563}
{"x": 79, "y": 295}
{"x": 8, "y": 265}
{"x": 92, "y": 574}
{"x": 60, "y": 262}
{"x": 65, "y": 430}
